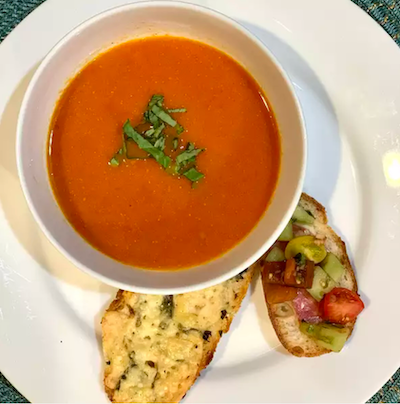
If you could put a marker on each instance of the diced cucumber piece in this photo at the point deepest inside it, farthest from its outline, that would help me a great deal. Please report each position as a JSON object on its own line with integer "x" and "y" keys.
{"x": 308, "y": 329}
{"x": 301, "y": 216}
{"x": 327, "y": 336}
{"x": 275, "y": 255}
{"x": 287, "y": 233}
{"x": 322, "y": 284}
{"x": 333, "y": 267}
{"x": 307, "y": 246}
{"x": 331, "y": 337}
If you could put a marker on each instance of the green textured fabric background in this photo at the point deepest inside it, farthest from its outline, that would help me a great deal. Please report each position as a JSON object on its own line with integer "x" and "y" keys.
{"x": 385, "y": 12}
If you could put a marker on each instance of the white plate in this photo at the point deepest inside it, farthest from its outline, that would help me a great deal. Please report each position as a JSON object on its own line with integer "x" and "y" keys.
{"x": 346, "y": 71}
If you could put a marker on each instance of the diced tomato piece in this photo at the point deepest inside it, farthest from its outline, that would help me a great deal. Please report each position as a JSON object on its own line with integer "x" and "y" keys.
{"x": 341, "y": 306}
{"x": 278, "y": 293}
{"x": 273, "y": 272}
{"x": 299, "y": 276}
{"x": 309, "y": 275}
{"x": 290, "y": 273}
{"x": 306, "y": 307}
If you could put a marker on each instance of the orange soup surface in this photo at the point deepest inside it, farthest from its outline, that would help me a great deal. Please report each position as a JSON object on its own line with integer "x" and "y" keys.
{"x": 137, "y": 212}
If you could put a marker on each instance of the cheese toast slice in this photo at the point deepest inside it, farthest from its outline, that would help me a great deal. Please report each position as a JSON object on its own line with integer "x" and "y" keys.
{"x": 156, "y": 346}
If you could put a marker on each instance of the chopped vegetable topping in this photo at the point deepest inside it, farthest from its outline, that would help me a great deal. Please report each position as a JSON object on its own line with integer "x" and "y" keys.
{"x": 287, "y": 233}
{"x": 327, "y": 336}
{"x": 308, "y": 246}
{"x": 289, "y": 273}
{"x": 321, "y": 284}
{"x": 289, "y": 276}
{"x": 333, "y": 267}
{"x": 301, "y": 215}
{"x": 306, "y": 307}
{"x": 274, "y": 272}
{"x": 278, "y": 293}
{"x": 275, "y": 255}
{"x": 341, "y": 306}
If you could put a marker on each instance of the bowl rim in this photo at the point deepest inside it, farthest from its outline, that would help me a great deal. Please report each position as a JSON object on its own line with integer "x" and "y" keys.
{"x": 235, "y": 270}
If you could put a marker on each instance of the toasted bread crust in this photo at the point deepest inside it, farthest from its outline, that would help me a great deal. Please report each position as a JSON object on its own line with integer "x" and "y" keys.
{"x": 287, "y": 328}
{"x": 120, "y": 320}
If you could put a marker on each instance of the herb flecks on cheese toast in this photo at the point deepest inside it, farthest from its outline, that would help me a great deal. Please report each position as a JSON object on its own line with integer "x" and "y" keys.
{"x": 156, "y": 346}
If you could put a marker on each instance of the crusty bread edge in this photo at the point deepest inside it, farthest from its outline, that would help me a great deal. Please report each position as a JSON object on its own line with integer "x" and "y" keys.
{"x": 117, "y": 303}
{"x": 319, "y": 212}
{"x": 208, "y": 356}
{"x": 242, "y": 293}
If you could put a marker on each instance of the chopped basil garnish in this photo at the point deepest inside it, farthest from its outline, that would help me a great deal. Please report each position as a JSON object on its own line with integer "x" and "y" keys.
{"x": 171, "y": 111}
{"x": 152, "y": 119}
{"x": 188, "y": 155}
{"x": 151, "y": 136}
{"x": 193, "y": 175}
{"x": 157, "y": 132}
{"x": 175, "y": 143}
{"x": 114, "y": 162}
{"x": 145, "y": 145}
{"x": 149, "y": 132}
{"x": 164, "y": 116}
{"x": 156, "y": 99}
{"x": 179, "y": 129}
{"x": 160, "y": 143}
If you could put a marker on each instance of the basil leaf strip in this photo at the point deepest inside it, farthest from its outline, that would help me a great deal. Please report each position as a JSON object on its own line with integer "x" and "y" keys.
{"x": 188, "y": 154}
{"x": 160, "y": 143}
{"x": 161, "y": 114}
{"x": 114, "y": 162}
{"x": 193, "y": 175}
{"x": 156, "y": 99}
{"x": 176, "y": 110}
{"x": 145, "y": 145}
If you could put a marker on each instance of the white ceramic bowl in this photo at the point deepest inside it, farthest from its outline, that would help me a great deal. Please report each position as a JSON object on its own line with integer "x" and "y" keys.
{"x": 118, "y": 25}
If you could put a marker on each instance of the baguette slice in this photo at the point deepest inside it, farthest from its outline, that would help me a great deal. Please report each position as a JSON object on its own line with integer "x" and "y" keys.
{"x": 287, "y": 328}
{"x": 156, "y": 346}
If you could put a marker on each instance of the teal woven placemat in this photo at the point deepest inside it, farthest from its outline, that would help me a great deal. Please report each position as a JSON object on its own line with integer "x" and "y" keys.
{"x": 385, "y": 12}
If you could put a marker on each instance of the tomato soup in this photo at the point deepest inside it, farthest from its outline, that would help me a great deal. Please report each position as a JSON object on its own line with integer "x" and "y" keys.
{"x": 138, "y": 211}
